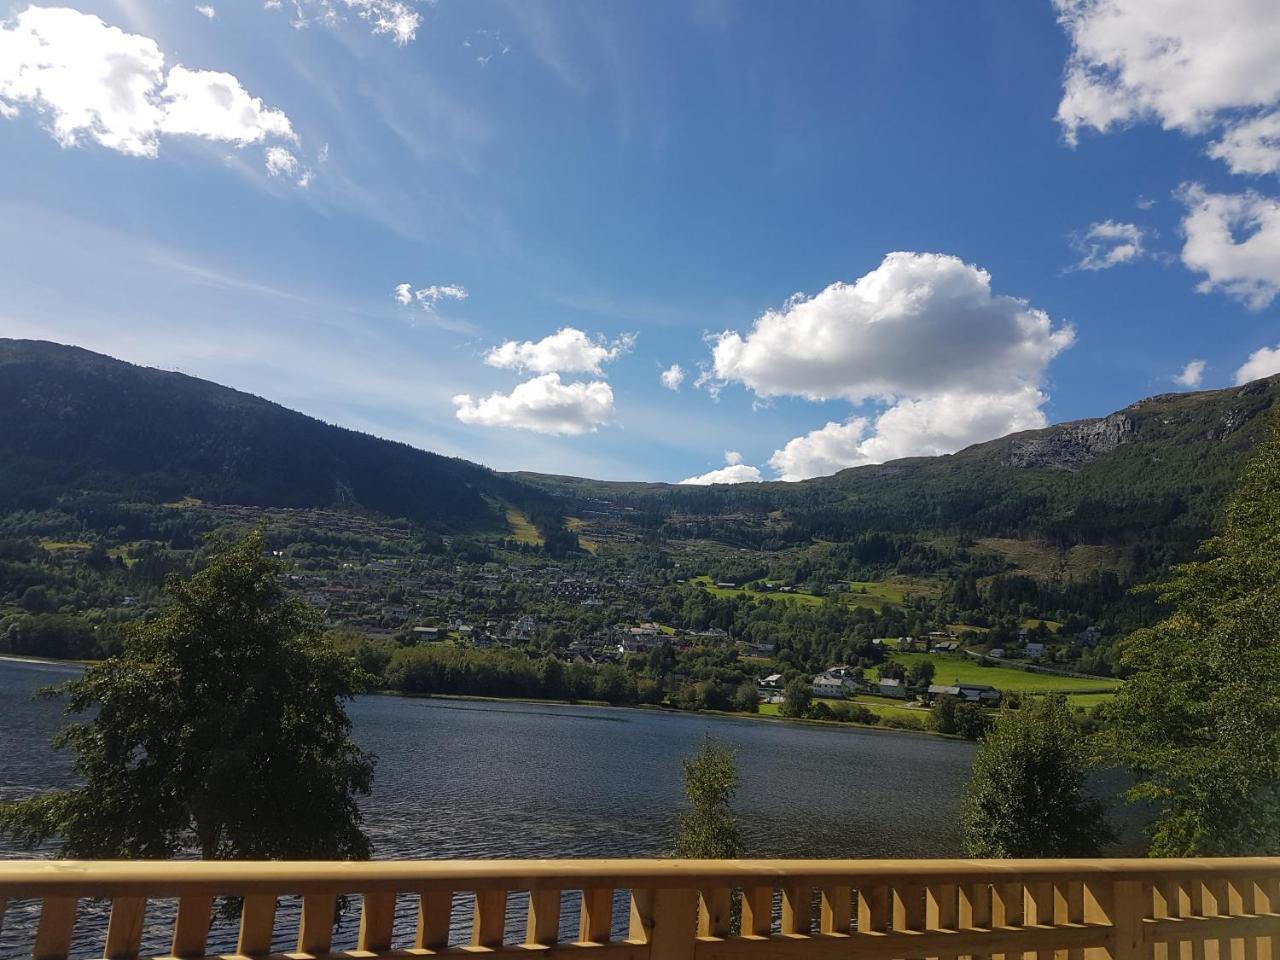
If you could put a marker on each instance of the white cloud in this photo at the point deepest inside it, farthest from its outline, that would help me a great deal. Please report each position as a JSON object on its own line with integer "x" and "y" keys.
{"x": 1263, "y": 362}
{"x": 923, "y": 336}
{"x": 1107, "y": 244}
{"x": 97, "y": 81}
{"x": 394, "y": 18}
{"x": 918, "y": 427}
{"x": 1252, "y": 146}
{"x": 1234, "y": 239}
{"x": 919, "y": 324}
{"x": 673, "y": 376}
{"x": 1192, "y": 374}
{"x": 280, "y": 162}
{"x": 734, "y": 471}
{"x": 206, "y": 11}
{"x": 1189, "y": 65}
{"x": 543, "y": 405}
{"x": 428, "y": 297}
{"x": 568, "y": 350}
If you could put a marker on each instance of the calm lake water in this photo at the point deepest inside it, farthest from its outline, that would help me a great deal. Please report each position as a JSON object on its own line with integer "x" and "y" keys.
{"x": 467, "y": 779}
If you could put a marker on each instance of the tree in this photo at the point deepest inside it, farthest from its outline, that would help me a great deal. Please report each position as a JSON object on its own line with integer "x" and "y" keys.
{"x": 1027, "y": 797}
{"x": 920, "y": 674}
{"x": 220, "y": 730}
{"x": 1199, "y": 719}
{"x": 710, "y": 830}
{"x": 797, "y": 697}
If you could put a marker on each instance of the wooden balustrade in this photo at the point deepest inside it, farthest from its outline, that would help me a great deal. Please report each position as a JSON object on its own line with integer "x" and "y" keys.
{"x": 663, "y": 909}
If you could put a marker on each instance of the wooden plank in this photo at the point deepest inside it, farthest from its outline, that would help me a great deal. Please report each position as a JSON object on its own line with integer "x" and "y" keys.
{"x": 435, "y": 915}
{"x": 1130, "y": 903}
{"x": 1038, "y": 911}
{"x": 797, "y": 911}
{"x": 1266, "y": 894}
{"x": 836, "y": 914}
{"x": 1215, "y": 905}
{"x": 257, "y": 923}
{"x": 874, "y": 913}
{"x": 896, "y": 945}
{"x": 715, "y": 912}
{"x": 1068, "y": 907}
{"x": 673, "y": 925}
{"x": 941, "y": 909}
{"x": 757, "y": 911}
{"x": 124, "y": 929}
{"x": 53, "y": 933}
{"x": 315, "y": 928}
{"x": 908, "y": 906}
{"x": 542, "y": 928}
{"x": 191, "y": 928}
{"x": 489, "y": 920}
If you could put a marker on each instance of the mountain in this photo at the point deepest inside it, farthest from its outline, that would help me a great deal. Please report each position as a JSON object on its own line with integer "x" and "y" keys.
{"x": 1148, "y": 479}
{"x": 1153, "y": 474}
{"x": 76, "y": 421}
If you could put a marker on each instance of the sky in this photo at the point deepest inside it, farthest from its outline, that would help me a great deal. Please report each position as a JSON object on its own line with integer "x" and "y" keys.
{"x": 672, "y": 241}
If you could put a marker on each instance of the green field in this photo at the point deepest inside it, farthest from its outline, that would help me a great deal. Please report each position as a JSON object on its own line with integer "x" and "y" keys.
{"x": 522, "y": 531}
{"x": 956, "y": 669}
{"x": 802, "y": 598}
{"x": 880, "y": 706}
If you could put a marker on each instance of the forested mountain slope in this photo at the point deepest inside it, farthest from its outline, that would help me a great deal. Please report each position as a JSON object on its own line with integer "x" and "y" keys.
{"x": 76, "y": 421}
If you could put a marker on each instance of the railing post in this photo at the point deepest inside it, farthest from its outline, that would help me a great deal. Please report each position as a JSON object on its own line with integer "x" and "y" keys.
{"x": 757, "y": 911}
{"x": 124, "y": 928}
{"x": 315, "y": 929}
{"x": 1128, "y": 910}
{"x": 715, "y": 908}
{"x": 542, "y": 929}
{"x": 668, "y": 918}
{"x": 435, "y": 914}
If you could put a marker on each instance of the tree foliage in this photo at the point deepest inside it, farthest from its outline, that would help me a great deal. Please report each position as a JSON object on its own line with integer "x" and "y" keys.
{"x": 710, "y": 830}
{"x": 1027, "y": 796}
{"x": 220, "y": 730}
{"x": 1199, "y": 719}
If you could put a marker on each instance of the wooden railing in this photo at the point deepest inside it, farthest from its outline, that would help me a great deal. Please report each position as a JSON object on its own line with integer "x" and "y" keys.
{"x": 654, "y": 909}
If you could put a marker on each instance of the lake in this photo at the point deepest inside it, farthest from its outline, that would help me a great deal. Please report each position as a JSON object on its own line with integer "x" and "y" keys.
{"x": 482, "y": 779}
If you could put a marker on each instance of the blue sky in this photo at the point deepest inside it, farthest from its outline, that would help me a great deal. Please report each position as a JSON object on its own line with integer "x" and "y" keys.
{"x": 669, "y": 183}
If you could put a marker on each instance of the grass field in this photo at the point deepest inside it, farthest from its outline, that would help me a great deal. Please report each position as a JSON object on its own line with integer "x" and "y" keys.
{"x": 522, "y": 531}
{"x": 576, "y": 525}
{"x": 879, "y": 706}
{"x": 953, "y": 669}
{"x": 711, "y": 588}
{"x": 60, "y": 546}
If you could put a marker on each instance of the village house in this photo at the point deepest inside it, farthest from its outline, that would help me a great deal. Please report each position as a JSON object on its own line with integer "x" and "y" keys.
{"x": 887, "y": 687}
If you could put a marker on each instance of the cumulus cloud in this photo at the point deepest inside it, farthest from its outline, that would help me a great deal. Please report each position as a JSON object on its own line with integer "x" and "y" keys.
{"x": 428, "y": 297}
{"x": 949, "y": 362}
{"x": 1192, "y": 374}
{"x": 91, "y": 80}
{"x": 1263, "y": 362}
{"x": 733, "y": 471}
{"x": 1107, "y": 244}
{"x": 206, "y": 11}
{"x": 543, "y": 405}
{"x": 1234, "y": 239}
{"x": 1186, "y": 64}
{"x": 568, "y": 350}
{"x": 393, "y": 18}
{"x": 917, "y": 427}
{"x": 673, "y": 376}
{"x": 920, "y": 323}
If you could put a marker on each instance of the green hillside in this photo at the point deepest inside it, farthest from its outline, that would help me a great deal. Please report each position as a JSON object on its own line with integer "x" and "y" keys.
{"x": 72, "y": 421}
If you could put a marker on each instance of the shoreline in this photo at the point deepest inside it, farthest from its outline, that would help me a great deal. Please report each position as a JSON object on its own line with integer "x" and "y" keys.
{"x": 534, "y": 701}
{"x": 658, "y": 708}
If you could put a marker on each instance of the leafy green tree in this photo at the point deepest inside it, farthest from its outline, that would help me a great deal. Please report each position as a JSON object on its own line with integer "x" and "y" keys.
{"x": 1027, "y": 797}
{"x": 710, "y": 830}
{"x": 797, "y": 697}
{"x": 1199, "y": 719}
{"x": 220, "y": 730}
